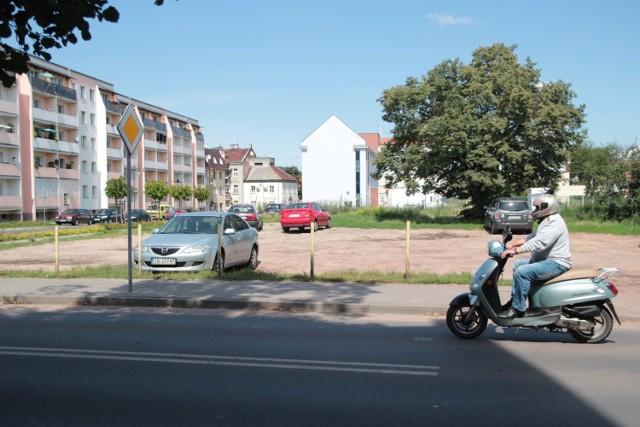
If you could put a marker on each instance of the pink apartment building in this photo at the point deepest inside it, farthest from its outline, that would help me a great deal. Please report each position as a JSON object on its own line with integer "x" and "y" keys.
{"x": 59, "y": 144}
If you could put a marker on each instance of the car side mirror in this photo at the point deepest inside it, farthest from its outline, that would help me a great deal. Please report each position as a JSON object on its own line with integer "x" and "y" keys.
{"x": 229, "y": 231}
{"x": 155, "y": 230}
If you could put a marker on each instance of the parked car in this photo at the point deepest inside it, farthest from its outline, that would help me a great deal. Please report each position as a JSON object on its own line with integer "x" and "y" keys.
{"x": 512, "y": 211}
{"x": 74, "y": 217}
{"x": 303, "y": 215}
{"x": 274, "y": 207}
{"x": 173, "y": 212}
{"x": 158, "y": 212}
{"x": 189, "y": 242}
{"x": 249, "y": 213}
{"x": 108, "y": 215}
{"x": 139, "y": 215}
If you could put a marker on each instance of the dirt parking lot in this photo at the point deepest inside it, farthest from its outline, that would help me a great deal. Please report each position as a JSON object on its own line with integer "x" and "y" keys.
{"x": 339, "y": 249}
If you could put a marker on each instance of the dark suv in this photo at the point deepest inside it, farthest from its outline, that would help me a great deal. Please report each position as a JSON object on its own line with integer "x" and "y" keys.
{"x": 108, "y": 215}
{"x": 511, "y": 211}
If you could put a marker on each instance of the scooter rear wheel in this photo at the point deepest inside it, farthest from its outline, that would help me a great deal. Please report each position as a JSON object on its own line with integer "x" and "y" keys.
{"x": 472, "y": 328}
{"x": 602, "y": 329}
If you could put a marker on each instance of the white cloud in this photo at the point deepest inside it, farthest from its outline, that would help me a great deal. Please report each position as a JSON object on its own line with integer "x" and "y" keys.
{"x": 443, "y": 19}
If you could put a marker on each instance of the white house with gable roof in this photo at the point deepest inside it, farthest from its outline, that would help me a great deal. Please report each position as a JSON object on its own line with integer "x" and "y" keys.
{"x": 337, "y": 165}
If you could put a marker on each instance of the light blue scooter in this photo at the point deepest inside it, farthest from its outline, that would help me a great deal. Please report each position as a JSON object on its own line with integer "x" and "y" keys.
{"x": 578, "y": 302}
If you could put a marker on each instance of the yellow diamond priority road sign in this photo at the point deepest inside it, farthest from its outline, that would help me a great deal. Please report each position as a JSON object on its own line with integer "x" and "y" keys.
{"x": 131, "y": 128}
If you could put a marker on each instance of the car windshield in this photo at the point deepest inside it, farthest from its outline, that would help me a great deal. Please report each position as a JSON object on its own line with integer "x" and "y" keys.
{"x": 242, "y": 209}
{"x": 102, "y": 212}
{"x": 514, "y": 206}
{"x": 191, "y": 225}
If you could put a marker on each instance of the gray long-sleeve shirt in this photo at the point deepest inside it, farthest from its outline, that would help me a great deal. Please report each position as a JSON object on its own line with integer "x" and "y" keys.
{"x": 550, "y": 241}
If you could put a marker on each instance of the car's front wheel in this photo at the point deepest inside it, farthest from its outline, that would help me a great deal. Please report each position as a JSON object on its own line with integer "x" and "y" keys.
{"x": 76, "y": 221}
{"x": 253, "y": 259}
{"x": 217, "y": 262}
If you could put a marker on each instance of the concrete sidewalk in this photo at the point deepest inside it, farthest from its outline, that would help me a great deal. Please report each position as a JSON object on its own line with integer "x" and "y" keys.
{"x": 259, "y": 295}
{"x": 298, "y": 296}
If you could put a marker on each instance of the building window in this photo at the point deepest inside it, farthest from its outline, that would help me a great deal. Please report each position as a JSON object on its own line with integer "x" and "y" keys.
{"x": 253, "y": 188}
{"x": 85, "y": 192}
{"x": 235, "y": 188}
{"x": 93, "y": 144}
{"x": 235, "y": 173}
{"x": 65, "y": 199}
{"x": 83, "y": 117}
{"x": 83, "y": 142}
{"x": 83, "y": 95}
{"x": 93, "y": 167}
{"x": 271, "y": 189}
{"x": 61, "y": 109}
{"x": 84, "y": 166}
{"x": 93, "y": 119}
{"x": 36, "y": 103}
{"x": 94, "y": 191}
{"x": 92, "y": 95}
{"x": 109, "y": 167}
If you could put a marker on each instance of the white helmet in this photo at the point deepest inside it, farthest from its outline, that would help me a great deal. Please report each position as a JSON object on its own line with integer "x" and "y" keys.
{"x": 544, "y": 205}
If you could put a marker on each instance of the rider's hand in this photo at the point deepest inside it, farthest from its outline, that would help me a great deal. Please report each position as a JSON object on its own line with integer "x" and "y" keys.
{"x": 508, "y": 253}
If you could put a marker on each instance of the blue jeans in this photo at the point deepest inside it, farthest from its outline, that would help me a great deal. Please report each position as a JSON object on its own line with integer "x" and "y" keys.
{"x": 524, "y": 272}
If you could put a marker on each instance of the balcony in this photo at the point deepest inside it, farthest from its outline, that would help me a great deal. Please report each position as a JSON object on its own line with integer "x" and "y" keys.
{"x": 69, "y": 174}
{"x": 112, "y": 130}
{"x": 44, "y": 86}
{"x": 67, "y": 120}
{"x": 7, "y": 138}
{"x": 10, "y": 202}
{"x": 113, "y": 107}
{"x": 52, "y": 146}
{"x": 8, "y": 170}
{"x": 200, "y": 137}
{"x": 114, "y": 153}
{"x": 8, "y": 107}
{"x": 114, "y": 175}
{"x": 46, "y": 115}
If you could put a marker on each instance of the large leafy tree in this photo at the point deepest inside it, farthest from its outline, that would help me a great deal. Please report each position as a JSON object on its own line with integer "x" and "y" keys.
{"x": 475, "y": 131}
{"x": 41, "y": 25}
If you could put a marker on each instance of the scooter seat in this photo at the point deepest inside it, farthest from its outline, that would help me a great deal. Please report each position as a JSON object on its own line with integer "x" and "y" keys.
{"x": 573, "y": 275}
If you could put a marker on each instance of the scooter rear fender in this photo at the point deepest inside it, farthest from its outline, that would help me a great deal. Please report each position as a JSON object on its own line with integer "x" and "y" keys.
{"x": 570, "y": 292}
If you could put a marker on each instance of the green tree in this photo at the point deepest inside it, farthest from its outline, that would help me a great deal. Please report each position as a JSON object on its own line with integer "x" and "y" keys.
{"x": 476, "y": 131}
{"x": 599, "y": 169}
{"x": 201, "y": 194}
{"x": 180, "y": 192}
{"x": 41, "y": 25}
{"x": 295, "y": 172}
{"x": 156, "y": 190}
{"x": 116, "y": 189}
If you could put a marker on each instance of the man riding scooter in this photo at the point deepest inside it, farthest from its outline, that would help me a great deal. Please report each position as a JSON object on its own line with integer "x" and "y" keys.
{"x": 550, "y": 253}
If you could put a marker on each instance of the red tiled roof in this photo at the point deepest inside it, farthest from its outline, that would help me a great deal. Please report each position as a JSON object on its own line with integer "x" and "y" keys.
{"x": 238, "y": 155}
{"x": 372, "y": 140}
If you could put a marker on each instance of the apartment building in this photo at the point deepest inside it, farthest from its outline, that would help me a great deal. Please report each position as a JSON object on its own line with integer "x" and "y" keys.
{"x": 217, "y": 178}
{"x": 59, "y": 144}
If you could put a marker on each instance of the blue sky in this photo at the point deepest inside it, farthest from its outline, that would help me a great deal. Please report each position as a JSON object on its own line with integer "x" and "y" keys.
{"x": 267, "y": 73}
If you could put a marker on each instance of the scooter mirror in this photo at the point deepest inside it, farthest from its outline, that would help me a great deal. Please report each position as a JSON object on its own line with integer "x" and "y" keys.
{"x": 506, "y": 235}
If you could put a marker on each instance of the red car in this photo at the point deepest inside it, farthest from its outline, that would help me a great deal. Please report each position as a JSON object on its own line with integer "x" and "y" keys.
{"x": 74, "y": 217}
{"x": 302, "y": 214}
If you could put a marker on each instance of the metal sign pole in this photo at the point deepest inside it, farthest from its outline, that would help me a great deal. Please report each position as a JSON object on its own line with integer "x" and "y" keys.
{"x": 131, "y": 130}
{"x": 129, "y": 251}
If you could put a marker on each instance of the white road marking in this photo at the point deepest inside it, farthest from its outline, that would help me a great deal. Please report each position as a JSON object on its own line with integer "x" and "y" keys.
{"x": 199, "y": 359}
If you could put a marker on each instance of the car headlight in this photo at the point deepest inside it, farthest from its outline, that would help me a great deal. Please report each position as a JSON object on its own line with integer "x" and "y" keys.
{"x": 197, "y": 249}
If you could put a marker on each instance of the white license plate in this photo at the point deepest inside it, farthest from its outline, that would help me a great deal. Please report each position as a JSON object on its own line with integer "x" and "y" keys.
{"x": 514, "y": 217}
{"x": 294, "y": 216}
{"x": 163, "y": 261}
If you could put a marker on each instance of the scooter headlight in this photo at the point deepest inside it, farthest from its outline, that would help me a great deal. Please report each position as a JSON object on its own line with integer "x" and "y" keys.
{"x": 495, "y": 248}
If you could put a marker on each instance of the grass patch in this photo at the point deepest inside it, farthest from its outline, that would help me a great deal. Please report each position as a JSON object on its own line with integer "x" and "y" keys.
{"x": 368, "y": 277}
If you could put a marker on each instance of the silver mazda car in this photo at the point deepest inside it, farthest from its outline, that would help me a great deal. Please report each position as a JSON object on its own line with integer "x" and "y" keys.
{"x": 189, "y": 242}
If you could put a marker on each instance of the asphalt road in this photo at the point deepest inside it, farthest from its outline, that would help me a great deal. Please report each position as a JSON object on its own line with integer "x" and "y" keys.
{"x": 124, "y": 366}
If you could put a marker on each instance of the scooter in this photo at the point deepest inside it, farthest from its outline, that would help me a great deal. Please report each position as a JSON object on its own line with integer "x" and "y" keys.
{"x": 577, "y": 302}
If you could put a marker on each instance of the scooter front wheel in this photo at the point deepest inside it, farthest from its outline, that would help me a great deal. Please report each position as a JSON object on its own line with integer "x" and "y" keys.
{"x": 466, "y": 325}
